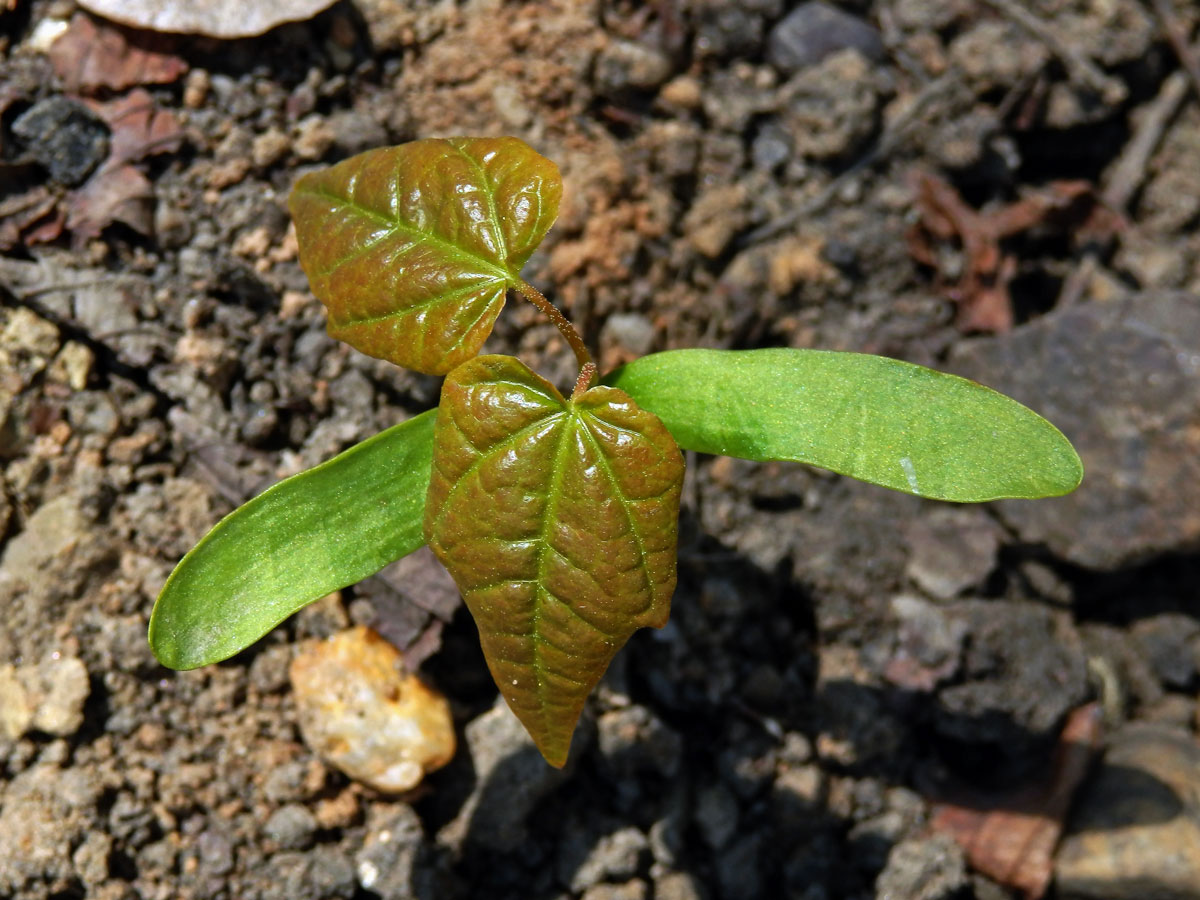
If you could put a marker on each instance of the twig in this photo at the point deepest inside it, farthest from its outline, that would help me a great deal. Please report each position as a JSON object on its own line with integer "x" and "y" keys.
{"x": 1178, "y": 38}
{"x": 1127, "y": 175}
{"x": 1079, "y": 67}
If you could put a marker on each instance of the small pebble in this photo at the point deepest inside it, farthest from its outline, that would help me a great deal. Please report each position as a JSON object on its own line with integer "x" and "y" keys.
{"x": 63, "y": 136}
{"x": 269, "y": 148}
{"x": 363, "y": 714}
{"x": 923, "y": 869}
{"x": 314, "y": 137}
{"x": 628, "y": 65}
{"x": 292, "y": 827}
{"x": 48, "y": 697}
{"x": 716, "y": 814}
{"x": 1135, "y": 829}
{"x": 815, "y": 30}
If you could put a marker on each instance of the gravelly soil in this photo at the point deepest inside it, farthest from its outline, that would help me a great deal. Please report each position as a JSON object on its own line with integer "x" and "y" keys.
{"x": 737, "y": 175}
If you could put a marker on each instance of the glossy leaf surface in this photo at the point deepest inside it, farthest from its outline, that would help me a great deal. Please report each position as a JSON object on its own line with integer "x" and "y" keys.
{"x": 412, "y": 248}
{"x": 557, "y": 520}
{"x": 311, "y": 534}
{"x": 880, "y": 420}
{"x": 285, "y": 549}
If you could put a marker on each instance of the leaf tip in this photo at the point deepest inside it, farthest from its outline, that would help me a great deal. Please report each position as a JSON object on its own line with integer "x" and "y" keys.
{"x": 554, "y": 756}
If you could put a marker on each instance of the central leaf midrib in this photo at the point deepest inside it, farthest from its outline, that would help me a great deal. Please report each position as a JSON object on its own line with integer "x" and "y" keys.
{"x": 399, "y": 225}
{"x": 549, "y": 514}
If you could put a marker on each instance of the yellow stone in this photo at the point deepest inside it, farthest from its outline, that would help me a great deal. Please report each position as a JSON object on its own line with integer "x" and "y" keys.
{"x": 362, "y": 712}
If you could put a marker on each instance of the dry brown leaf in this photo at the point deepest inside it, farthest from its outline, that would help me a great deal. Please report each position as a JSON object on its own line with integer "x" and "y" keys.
{"x": 981, "y": 291}
{"x": 117, "y": 193}
{"x": 92, "y": 55}
{"x": 139, "y": 127}
{"x": 29, "y": 218}
{"x": 1011, "y": 839}
{"x": 215, "y": 18}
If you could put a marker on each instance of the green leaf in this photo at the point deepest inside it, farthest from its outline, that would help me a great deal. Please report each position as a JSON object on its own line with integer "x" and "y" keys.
{"x": 344, "y": 520}
{"x": 412, "y": 248}
{"x": 299, "y": 540}
{"x": 557, "y": 520}
{"x": 880, "y": 420}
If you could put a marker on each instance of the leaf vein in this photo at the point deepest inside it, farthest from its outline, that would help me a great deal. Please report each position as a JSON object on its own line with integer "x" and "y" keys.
{"x": 483, "y": 455}
{"x": 413, "y": 232}
{"x": 490, "y": 197}
{"x": 424, "y": 304}
{"x": 625, "y": 504}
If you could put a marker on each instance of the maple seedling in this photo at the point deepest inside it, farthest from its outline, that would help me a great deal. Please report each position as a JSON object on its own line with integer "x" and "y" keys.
{"x": 556, "y": 515}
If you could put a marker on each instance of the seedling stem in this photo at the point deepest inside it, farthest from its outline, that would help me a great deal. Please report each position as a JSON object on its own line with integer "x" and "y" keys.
{"x": 587, "y": 367}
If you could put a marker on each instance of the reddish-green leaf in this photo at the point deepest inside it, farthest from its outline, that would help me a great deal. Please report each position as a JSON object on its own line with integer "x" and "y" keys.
{"x": 557, "y": 519}
{"x": 412, "y": 248}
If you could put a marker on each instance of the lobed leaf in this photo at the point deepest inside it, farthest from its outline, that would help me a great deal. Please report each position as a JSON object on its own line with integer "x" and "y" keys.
{"x": 891, "y": 423}
{"x": 412, "y": 248}
{"x": 306, "y": 536}
{"x": 557, "y": 519}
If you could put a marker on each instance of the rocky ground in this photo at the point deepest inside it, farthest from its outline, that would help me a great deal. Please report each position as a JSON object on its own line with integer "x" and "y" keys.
{"x": 860, "y": 694}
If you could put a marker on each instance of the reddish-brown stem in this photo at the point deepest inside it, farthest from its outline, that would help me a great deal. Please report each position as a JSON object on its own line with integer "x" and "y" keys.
{"x": 587, "y": 375}
{"x": 587, "y": 368}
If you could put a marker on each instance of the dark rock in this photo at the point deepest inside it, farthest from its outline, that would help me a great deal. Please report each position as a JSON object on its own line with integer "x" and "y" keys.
{"x": 716, "y": 814}
{"x": 624, "y": 66}
{"x": 292, "y": 827}
{"x": 771, "y": 148}
{"x": 1023, "y": 671}
{"x": 386, "y": 863}
{"x": 590, "y": 859}
{"x": 739, "y": 872}
{"x": 511, "y": 778}
{"x": 726, "y": 29}
{"x": 1135, "y": 831}
{"x": 929, "y": 641}
{"x": 952, "y": 549}
{"x": 215, "y": 850}
{"x": 1121, "y": 383}
{"x": 631, "y": 333}
{"x": 815, "y": 30}
{"x": 286, "y": 782}
{"x": 269, "y": 669}
{"x": 330, "y": 875}
{"x": 830, "y": 109}
{"x": 734, "y": 97}
{"x": 633, "y": 739}
{"x": 1169, "y": 644}
{"x": 321, "y": 874}
{"x": 355, "y": 131}
{"x": 63, "y": 136}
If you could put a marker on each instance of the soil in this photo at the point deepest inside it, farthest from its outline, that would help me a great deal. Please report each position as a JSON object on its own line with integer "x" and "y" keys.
{"x": 843, "y": 664}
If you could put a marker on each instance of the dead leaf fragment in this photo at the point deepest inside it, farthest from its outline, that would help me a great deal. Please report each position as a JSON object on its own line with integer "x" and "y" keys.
{"x": 140, "y": 127}
{"x": 215, "y": 18}
{"x": 92, "y": 55}
{"x": 29, "y": 218}
{"x": 1011, "y": 839}
{"x": 119, "y": 193}
{"x": 981, "y": 289}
